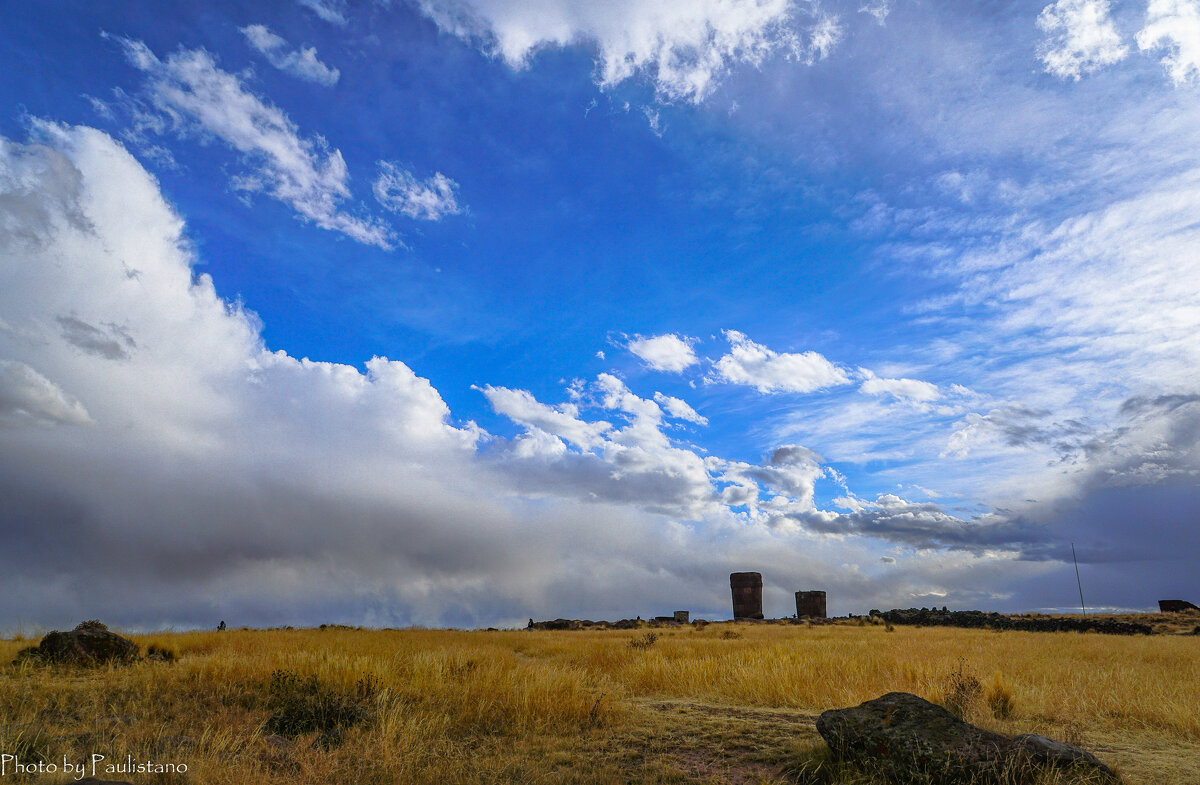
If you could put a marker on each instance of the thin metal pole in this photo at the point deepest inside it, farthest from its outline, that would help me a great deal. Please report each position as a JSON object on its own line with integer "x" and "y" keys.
{"x": 1080, "y": 583}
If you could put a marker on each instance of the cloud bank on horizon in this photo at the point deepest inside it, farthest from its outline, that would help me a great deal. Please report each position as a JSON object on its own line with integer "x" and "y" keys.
{"x": 742, "y": 335}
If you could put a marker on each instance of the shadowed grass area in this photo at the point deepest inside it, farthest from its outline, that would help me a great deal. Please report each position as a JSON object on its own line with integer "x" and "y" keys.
{"x": 695, "y": 705}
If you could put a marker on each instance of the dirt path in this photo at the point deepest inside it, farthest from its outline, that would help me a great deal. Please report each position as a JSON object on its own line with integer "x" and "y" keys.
{"x": 715, "y": 743}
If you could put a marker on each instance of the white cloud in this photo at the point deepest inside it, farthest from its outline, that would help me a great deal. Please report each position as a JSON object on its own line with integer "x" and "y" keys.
{"x": 685, "y": 49}
{"x": 635, "y": 463}
{"x": 1079, "y": 38}
{"x": 666, "y": 352}
{"x": 332, "y": 11}
{"x": 769, "y": 371}
{"x": 193, "y": 93}
{"x": 793, "y": 470}
{"x": 1067, "y": 286}
{"x": 301, "y": 63}
{"x": 878, "y": 9}
{"x": 561, "y": 421}
{"x": 210, "y": 467}
{"x": 680, "y": 409}
{"x": 1174, "y": 25}
{"x": 826, "y": 34}
{"x": 536, "y": 443}
{"x": 902, "y": 389}
{"x": 219, "y": 479}
{"x": 399, "y": 191}
{"x": 27, "y": 395}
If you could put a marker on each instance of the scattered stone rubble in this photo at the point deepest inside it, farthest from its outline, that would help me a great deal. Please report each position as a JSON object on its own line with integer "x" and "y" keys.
{"x": 586, "y": 624}
{"x": 999, "y": 621}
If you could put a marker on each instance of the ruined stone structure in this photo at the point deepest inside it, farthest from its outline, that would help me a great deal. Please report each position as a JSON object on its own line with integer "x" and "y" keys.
{"x": 811, "y": 604}
{"x": 1174, "y": 606}
{"x": 746, "y": 588}
{"x": 928, "y": 617}
{"x": 683, "y": 617}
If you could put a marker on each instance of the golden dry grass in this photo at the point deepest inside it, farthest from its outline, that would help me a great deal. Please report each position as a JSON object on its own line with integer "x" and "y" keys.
{"x": 695, "y": 706}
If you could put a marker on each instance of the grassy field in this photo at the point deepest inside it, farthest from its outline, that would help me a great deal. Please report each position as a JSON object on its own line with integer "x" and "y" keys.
{"x": 698, "y": 704}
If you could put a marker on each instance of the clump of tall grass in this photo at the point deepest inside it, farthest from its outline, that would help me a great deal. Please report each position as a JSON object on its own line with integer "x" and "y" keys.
{"x": 301, "y": 705}
{"x": 1000, "y": 699}
{"x": 817, "y": 765}
{"x": 962, "y": 692}
{"x": 643, "y": 642}
{"x": 161, "y": 652}
{"x": 29, "y": 742}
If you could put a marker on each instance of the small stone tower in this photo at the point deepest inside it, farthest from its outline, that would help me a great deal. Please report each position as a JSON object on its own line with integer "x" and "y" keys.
{"x": 811, "y": 604}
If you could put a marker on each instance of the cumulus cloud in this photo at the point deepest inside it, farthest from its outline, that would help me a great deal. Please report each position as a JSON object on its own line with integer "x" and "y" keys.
{"x": 1079, "y": 38}
{"x": 901, "y": 389}
{"x": 216, "y": 478}
{"x": 684, "y": 49}
{"x": 679, "y": 409}
{"x": 301, "y": 63}
{"x": 401, "y": 192}
{"x": 1174, "y": 25}
{"x": 794, "y": 471}
{"x": 560, "y": 421}
{"x": 27, "y": 395}
{"x": 629, "y": 458}
{"x": 191, "y": 93}
{"x": 1018, "y": 426}
{"x": 666, "y": 352}
{"x": 203, "y": 449}
{"x": 768, "y": 371}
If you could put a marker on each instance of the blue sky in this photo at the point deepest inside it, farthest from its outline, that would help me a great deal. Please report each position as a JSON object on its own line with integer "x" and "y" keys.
{"x": 465, "y": 312}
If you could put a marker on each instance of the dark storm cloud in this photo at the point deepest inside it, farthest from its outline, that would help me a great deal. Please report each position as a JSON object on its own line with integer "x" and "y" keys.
{"x": 111, "y": 343}
{"x": 928, "y": 526}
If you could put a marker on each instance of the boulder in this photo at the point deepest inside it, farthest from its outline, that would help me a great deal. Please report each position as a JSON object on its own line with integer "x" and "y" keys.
{"x": 90, "y": 643}
{"x": 1048, "y": 752}
{"x": 1175, "y": 606}
{"x": 905, "y": 738}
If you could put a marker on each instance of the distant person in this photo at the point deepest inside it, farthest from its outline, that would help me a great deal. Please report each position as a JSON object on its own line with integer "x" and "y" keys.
{"x": 221, "y": 626}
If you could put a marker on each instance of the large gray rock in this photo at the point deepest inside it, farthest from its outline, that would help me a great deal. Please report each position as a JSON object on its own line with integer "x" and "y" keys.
{"x": 90, "y": 643}
{"x": 1044, "y": 751}
{"x": 906, "y": 738}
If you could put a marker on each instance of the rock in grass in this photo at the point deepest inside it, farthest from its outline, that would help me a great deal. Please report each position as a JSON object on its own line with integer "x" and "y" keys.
{"x": 1048, "y": 752}
{"x": 906, "y": 738}
{"x": 90, "y": 643}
